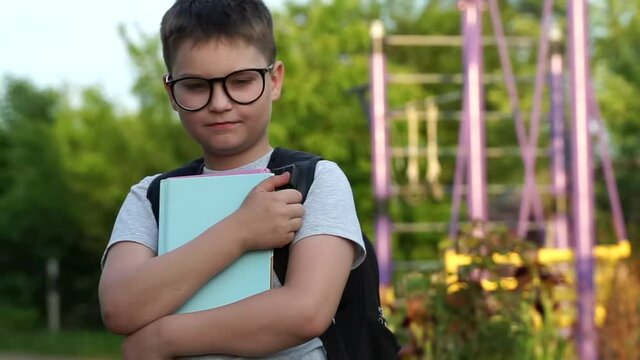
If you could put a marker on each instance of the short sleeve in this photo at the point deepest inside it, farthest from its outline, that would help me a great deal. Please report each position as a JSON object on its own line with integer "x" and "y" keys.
{"x": 330, "y": 208}
{"x": 135, "y": 221}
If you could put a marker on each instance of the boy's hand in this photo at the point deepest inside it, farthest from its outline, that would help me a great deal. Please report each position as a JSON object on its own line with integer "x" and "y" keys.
{"x": 270, "y": 218}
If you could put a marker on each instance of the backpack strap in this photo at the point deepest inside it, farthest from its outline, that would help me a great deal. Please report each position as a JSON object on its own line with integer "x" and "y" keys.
{"x": 302, "y": 166}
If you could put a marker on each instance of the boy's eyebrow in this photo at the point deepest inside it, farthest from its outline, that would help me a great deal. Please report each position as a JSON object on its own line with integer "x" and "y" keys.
{"x": 193, "y": 75}
{"x": 187, "y": 74}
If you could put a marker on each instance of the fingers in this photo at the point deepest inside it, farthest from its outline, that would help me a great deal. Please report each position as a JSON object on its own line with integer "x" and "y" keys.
{"x": 290, "y": 196}
{"x": 273, "y": 182}
{"x": 296, "y": 211}
{"x": 296, "y": 224}
{"x": 276, "y": 216}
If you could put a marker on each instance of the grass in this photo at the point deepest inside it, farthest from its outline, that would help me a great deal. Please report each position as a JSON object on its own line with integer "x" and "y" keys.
{"x": 86, "y": 344}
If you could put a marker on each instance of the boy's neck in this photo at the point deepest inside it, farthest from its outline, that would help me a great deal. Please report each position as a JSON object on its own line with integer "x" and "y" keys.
{"x": 221, "y": 162}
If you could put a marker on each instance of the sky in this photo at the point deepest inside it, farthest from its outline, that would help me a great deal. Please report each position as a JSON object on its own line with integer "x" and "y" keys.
{"x": 75, "y": 43}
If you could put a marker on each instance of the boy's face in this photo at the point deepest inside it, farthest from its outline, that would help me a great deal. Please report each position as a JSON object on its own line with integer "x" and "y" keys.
{"x": 231, "y": 134}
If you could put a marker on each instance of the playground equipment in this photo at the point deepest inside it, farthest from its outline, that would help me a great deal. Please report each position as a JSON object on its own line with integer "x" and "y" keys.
{"x": 572, "y": 240}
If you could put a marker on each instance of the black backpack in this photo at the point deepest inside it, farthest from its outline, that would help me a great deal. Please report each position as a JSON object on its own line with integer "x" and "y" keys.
{"x": 359, "y": 330}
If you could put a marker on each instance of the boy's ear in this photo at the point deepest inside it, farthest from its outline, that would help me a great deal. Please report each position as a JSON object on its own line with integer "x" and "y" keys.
{"x": 168, "y": 90}
{"x": 277, "y": 77}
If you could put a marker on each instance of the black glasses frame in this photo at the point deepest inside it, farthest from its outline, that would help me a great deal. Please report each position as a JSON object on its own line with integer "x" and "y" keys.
{"x": 172, "y": 82}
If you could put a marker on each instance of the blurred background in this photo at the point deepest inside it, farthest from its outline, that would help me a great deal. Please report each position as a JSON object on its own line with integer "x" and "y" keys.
{"x": 83, "y": 116}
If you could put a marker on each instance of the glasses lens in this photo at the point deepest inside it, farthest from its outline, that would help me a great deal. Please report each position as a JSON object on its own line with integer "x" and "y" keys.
{"x": 191, "y": 93}
{"x": 245, "y": 86}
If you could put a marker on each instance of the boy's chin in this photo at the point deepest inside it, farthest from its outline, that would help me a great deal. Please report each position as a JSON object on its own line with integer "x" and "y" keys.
{"x": 228, "y": 150}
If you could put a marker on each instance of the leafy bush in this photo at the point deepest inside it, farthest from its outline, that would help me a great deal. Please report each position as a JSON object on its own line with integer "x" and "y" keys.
{"x": 439, "y": 320}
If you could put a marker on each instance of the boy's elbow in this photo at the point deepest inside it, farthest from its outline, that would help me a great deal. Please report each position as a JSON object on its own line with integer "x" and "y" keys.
{"x": 313, "y": 322}
{"x": 115, "y": 324}
{"x": 316, "y": 327}
{"x": 115, "y": 319}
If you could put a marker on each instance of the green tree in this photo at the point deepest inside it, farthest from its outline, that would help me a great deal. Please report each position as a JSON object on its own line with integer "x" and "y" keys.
{"x": 35, "y": 223}
{"x": 325, "y": 49}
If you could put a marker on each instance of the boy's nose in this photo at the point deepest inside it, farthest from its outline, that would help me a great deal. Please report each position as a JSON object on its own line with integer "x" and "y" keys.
{"x": 220, "y": 101}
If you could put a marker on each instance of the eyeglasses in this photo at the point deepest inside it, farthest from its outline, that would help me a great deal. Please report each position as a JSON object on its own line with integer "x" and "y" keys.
{"x": 242, "y": 87}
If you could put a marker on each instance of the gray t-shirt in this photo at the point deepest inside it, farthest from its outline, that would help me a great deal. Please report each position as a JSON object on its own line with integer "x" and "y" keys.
{"x": 329, "y": 210}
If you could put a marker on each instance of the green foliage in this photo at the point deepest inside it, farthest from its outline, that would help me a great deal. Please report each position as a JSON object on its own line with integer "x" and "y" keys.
{"x": 34, "y": 221}
{"x": 32, "y": 209}
{"x": 474, "y": 323}
{"x": 325, "y": 49}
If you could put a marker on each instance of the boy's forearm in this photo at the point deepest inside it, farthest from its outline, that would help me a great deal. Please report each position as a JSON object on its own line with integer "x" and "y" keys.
{"x": 274, "y": 320}
{"x": 257, "y": 326}
{"x": 157, "y": 286}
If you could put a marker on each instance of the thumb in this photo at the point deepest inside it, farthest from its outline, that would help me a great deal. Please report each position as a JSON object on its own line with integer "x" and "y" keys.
{"x": 274, "y": 182}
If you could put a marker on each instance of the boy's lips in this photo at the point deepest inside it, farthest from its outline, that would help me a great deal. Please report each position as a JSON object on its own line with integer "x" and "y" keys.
{"x": 223, "y": 124}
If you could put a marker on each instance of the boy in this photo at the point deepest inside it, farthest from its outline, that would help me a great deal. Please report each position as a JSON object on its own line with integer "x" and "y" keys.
{"x": 222, "y": 77}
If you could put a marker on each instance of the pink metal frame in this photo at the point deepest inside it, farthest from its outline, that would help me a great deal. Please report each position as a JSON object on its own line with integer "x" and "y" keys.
{"x": 470, "y": 161}
{"x": 380, "y": 154}
{"x": 583, "y": 214}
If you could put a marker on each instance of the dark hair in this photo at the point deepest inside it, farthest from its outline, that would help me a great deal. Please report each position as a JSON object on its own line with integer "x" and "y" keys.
{"x": 204, "y": 20}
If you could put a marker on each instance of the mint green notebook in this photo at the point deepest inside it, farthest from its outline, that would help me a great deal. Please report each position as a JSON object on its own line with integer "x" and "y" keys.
{"x": 188, "y": 206}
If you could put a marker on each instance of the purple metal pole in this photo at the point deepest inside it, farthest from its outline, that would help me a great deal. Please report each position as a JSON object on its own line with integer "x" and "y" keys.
{"x": 582, "y": 180}
{"x": 459, "y": 177}
{"x": 534, "y": 131}
{"x": 380, "y": 153}
{"x": 530, "y": 194}
{"x": 558, "y": 170}
{"x": 474, "y": 100}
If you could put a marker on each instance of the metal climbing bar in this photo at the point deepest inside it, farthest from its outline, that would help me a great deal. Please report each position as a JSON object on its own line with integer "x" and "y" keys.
{"x": 558, "y": 146}
{"x": 474, "y": 109}
{"x": 530, "y": 197}
{"x": 380, "y": 153}
{"x": 583, "y": 214}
